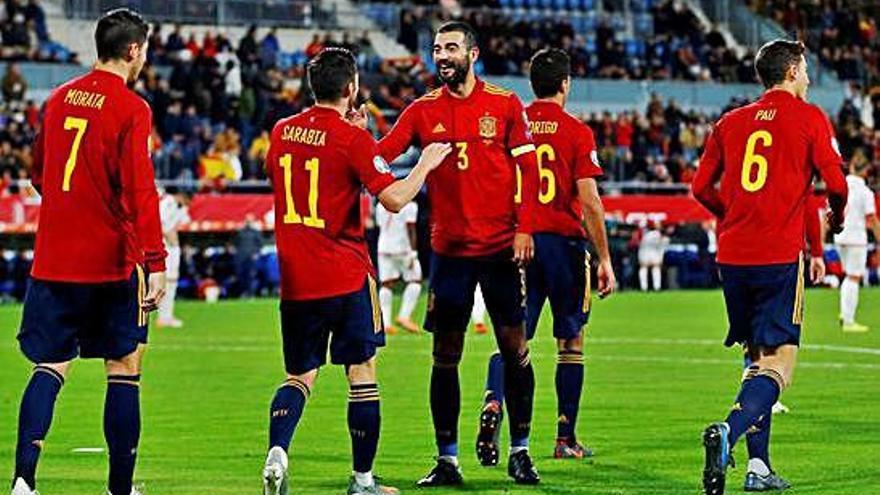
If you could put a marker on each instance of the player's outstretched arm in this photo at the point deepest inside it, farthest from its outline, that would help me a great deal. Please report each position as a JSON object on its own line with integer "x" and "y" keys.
{"x": 594, "y": 215}
{"x": 401, "y": 192}
{"x": 400, "y": 136}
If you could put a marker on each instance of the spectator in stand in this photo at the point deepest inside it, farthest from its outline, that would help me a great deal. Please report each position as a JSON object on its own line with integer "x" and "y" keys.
{"x": 248, "y": 51}
{"x": 270, "y": 48}
{"x": 14, "y": 85}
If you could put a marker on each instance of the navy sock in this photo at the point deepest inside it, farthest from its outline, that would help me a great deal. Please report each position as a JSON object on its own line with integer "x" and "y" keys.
{"x": 34, "y": 419}
{"x": 758, "y": 439}
{"x": 519, "y": 383}
{"x": 756, "y": 398}
{"x": 445, "y": 407}
{"x": 285, "y": 412}
{"x": 363, "y": 425}
{"x": 122, "y": 429}
{"x": 495, "y": 380}
{"x": 569, "y": 381}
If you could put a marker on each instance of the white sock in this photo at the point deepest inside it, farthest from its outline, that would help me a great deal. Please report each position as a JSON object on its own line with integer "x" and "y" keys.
{"x": 385, "y": 298}
{"x": 364, "y": 479}
{"x": 643, "y": 278}
{"x": 656, "y": 275}
{"x": 452, "y": 459}
{"x": 410, "y": 298}
{"x": 479, "y": 311}
{"x": 166, "y": 305}
{"x": 514, "y": 450}
{"x": 849, "y": 300}
{"x": 758, "y": 467}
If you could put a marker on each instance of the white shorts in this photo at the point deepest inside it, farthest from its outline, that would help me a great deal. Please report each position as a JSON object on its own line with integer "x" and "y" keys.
{"x": 172, "y": 262}
{"x": 854, "y": 259}
{"x": 651, "y": 257}
{"x": 397, "y": 266}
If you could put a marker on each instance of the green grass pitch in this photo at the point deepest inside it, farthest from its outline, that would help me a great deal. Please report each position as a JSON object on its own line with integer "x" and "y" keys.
{"x": 656, "y": 375}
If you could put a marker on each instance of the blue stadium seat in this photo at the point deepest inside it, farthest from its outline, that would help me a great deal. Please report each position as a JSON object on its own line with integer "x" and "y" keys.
{"x": 590, "y": 44}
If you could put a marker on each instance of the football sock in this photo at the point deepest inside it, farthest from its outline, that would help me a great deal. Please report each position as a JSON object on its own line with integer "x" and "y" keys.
{"x": 410, "y": 298}
{"x": 122, "y": 429}
{"x": 285, "y": 412}
{"x": 166, "y": 305}
{"x": 569, "y": 381}
{"x": 849, "y": 300}
{"x": 643, "y": 278}
{"x": 364, "y": 479}
{"x": 385, "y": 298}
{"x": 445, "y": 408}
{"x": 514, "y": 450}
{"x": 495, "y": 380}
{"x": 758, "y": 439}
{"x": 478, "y": 313}
{"x": 758, "y": 467}
{"x": 756, "y": 398}
{"x": 519, "y": 384}
{"x": 657, "y": 278}
{"x": 34, "y": 419}
{"x": 363, "y": 425}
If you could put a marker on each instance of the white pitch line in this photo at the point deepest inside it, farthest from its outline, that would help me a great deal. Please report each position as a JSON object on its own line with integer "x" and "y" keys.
{"x": 707, "y": 342}
{"x": 88, "y": 450}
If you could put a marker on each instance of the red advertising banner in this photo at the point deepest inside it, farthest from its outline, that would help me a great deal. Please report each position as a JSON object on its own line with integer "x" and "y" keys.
{"x": 228, "y": 212}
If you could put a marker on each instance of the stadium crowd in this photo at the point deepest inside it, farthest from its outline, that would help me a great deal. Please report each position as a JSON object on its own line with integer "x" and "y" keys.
{"x": 673, "y": 45}
{"x": 25, "y": 35}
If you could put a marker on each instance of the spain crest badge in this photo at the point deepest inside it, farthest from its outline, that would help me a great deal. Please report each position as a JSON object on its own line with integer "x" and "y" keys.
{"x": 488, "y": 127}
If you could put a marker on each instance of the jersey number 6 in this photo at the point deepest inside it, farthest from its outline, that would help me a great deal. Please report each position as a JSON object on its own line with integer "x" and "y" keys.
{"x": 291, "y": 216}
{"x": 752, "y": 160}
{"x": 544, "y": 174}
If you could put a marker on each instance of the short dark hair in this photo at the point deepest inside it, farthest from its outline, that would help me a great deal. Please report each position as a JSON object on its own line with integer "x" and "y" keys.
{"x": 329, "y": 72}
{"x": 774, "y": 59}
{"x": 117, "y": 29}
{"x": 548, "y": 68}
{"x": 470, "y": 36}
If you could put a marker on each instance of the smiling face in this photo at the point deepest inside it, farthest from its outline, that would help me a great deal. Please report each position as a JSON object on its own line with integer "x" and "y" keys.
{"x": 453, "y": 57}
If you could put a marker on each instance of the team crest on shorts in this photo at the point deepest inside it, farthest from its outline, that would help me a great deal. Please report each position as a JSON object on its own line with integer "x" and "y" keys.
{"x": 488, "y": 127}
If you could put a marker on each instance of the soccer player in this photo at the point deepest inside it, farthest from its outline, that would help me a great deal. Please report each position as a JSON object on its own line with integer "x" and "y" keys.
{"x": 852, "y": 243}
{"x": 764, "y": 156}
{"x": 398, "y": 259}
{"x": 568, "y": 198}
{"x": 651, "y": 251}
{"x": 99, "y": 262}
{"x": 318, "y": 163}
{"x": 479, "y": 236}
{"x": 173, "y": 212}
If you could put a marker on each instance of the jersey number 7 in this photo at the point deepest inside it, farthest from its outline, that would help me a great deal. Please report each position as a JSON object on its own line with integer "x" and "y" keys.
{"x": 80, "y": 126}
{"x": 312, "y": 165}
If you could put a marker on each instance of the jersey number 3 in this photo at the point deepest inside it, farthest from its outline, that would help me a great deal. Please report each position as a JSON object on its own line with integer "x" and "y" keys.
{"x": 754, "y": 181}
{"x": 73, "y": 123}
{"x": 291, "y": 216}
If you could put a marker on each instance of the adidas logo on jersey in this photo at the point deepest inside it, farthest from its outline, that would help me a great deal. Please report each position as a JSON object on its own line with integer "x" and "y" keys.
{"x": 439, "y": 128}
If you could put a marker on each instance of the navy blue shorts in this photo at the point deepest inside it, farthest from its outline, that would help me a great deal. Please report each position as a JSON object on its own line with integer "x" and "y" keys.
{"x": 454, "y": 280}
{"x": 64, "y": 320}
{"x": 354, "y": 321}
{"x": 765, "y": 304}
{"x": 560, "y": 272}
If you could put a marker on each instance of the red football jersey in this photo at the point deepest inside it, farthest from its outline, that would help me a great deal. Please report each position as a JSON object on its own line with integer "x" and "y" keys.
{"x": 318, "y": 164}
{"x": 566, "y": 153}
{"x": 472, "y": 193}
{"x": 100, "y": 210}
{"x": 764, "y": 155}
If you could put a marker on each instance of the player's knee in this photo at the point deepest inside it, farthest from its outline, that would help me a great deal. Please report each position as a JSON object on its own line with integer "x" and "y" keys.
{"x": 362, "y": 373}
{"x": 129, "y": 365}
{"x": 575, "y": 344}
{"x": 307, "y": 378}
{"x": 57, "y": 369}
{"x": 388, "y": 284}
{"x": 855, "y": 278}
{"x": 512, "y": 344}
{"x": 447, "y": 358}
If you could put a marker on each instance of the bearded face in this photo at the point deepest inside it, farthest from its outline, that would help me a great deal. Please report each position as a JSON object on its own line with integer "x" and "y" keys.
{"x": 452, "y": 57}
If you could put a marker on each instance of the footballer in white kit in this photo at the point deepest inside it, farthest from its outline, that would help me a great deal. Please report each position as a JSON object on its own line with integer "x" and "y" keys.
{"x": 852, "y": 244}
{"x": 398, "y": 260}
{"x": 173, "y": 212}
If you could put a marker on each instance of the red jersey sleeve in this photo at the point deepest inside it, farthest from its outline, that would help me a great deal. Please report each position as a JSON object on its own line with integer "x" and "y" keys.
{"x": 401, "y": 135}
{"x": 371, "y": 169}
{"x": 522, "y": 149}
{"x": 814, "y": 230}
{"x": 36, "y": 171}
{"x": 826, "y": 159}
{"x": 586, "y": 165}
{"x": 139, "y": 187}
{"x": 708, "y": 174}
